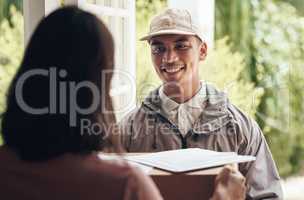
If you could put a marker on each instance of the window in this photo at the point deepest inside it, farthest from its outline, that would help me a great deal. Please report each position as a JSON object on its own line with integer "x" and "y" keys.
{"x": 119, "y": 16}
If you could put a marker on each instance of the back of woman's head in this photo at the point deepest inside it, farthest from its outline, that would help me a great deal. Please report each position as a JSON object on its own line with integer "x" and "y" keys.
{"x": 57, "y": 100}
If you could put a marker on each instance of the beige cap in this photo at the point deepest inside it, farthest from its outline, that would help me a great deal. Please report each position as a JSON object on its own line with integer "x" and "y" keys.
{"x": 173, "y": 21}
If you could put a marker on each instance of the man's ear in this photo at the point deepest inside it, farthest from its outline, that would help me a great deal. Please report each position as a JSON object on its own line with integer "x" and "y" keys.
{"x": 203, "y": 51}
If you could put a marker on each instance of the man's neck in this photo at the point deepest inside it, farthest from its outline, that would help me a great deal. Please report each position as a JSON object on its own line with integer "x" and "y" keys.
{"x": 181, "y": 93}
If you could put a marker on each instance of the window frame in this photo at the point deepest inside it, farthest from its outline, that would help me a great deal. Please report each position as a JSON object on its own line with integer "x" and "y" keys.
{"x": 34, "y": 12}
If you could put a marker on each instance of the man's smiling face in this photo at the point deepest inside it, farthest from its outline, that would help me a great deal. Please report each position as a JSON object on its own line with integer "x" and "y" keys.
{"x": 176, "y": 58}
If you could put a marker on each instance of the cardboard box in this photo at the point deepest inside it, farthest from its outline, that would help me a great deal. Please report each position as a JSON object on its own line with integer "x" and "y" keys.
{"x": 197, "y": 185}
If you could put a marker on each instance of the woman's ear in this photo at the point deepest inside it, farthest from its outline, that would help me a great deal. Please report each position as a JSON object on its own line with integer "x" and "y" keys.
{"x": 203, "y": 51}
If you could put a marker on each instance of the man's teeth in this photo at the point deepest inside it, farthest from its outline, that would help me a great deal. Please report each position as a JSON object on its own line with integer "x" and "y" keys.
{"x": 172, "y": 69}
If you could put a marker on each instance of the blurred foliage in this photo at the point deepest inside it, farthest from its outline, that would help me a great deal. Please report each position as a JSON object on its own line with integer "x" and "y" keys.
{"x": 269, "y": 33}
{"x": 223, "y": 67}
{"x": 295, "y": 83}
{"x": 279, "y": 56}
{"x": 146, "y": 77}
{"x": 11, "y": 51}
{"x": 298, "y": 4}
{"x": 233, "y": 18}
{"x": 5, "y": 8}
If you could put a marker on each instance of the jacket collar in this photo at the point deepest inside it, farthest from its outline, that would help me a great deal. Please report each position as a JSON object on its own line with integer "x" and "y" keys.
{"x": 215, "y": 108}
{"x": 213, "y": 97}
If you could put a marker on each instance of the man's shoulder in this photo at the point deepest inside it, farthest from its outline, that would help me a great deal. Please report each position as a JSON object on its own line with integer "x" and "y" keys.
{"x": 220, "y": 98}
{"x": 248, "y": 128}
{"x": 239, "y": 115}
{"x": 244, "y": 121}
{"x": 148, "y": 106}
{"x": 211, "y": 88}
{"x": 139, "y": 113}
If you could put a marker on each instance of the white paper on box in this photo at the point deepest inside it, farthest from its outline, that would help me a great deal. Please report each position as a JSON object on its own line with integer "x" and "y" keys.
{"x": 183, "y": 160}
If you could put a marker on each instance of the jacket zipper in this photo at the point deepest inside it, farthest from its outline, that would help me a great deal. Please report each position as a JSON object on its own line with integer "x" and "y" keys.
{"x": 175, "y": 128}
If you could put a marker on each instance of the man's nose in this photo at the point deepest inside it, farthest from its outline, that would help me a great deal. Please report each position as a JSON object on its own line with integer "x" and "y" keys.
{"x": 169, "y": 56}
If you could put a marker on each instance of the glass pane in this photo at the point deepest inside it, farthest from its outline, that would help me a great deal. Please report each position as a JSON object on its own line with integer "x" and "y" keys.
{"x": 117, "y": 26}
{"x": 11, "y": 45}
{"x": 110, "y": 3}
{"x": 122, "y": 89}
{"x": 120, "y": 45}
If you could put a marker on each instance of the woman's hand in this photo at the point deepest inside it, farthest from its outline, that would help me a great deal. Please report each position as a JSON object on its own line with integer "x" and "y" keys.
{"x": 229, "y": 185}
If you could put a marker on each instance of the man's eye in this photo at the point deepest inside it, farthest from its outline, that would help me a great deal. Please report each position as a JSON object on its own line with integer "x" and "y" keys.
{"x": 158, "y": 49}
{"x": 181, "y": 46}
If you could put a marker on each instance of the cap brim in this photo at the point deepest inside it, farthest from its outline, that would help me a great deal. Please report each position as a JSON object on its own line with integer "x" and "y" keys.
{"x": 166, "y": 32}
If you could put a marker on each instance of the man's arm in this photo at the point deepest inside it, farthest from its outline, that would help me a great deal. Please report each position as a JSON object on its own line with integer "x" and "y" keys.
{"x": 262, "y": 176}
